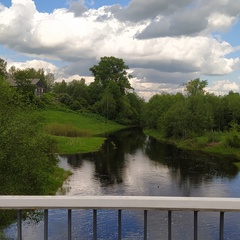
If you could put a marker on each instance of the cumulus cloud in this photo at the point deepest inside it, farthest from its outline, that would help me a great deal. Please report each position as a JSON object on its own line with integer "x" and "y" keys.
{"x": 36, "y": 64}
{"x": 162, "y": 41}
{"x": 154, "y": 76}
{"x": 77, "y": 7}
{"x": 186, "y": 23}
{"x": 204, "y": 17}
{"x": 222, "y": 87}
{"x": 139, "y": 10}
{"x": 147, "y": 89}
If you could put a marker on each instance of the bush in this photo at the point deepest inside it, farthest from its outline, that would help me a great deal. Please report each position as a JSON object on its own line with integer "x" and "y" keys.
{"x": 213, "y": 137}
{"x": 232, "y": 140}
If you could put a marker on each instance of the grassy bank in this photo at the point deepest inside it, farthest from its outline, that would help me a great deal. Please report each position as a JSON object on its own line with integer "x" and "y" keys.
{"x": 76, "y": 132}
{"x": 213, "y": 143}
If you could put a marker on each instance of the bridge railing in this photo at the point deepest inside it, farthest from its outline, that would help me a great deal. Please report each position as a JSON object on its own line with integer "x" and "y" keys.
{"x": 145, "y": 203}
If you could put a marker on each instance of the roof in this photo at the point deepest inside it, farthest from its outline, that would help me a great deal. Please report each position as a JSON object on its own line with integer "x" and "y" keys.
{"x": 34, "y": 80}
{"x": 12, "y": 82}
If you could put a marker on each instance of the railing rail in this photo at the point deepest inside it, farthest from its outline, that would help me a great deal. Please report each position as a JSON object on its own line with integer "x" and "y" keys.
{"x": 120, "y": 203}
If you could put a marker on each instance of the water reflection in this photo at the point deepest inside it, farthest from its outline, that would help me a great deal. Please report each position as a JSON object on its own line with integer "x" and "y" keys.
{"x": 129, "y": 156}
{"x": 131, "y": 163}
{"x": 190, "y": 168}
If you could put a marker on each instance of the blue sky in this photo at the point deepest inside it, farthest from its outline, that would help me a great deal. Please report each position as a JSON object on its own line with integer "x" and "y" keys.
{"x": 165, "y": 43}
{"x": 49, "y": 6}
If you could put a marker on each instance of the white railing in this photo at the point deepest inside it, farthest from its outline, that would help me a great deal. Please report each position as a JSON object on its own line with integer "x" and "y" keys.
{"x": 120, "y": 203}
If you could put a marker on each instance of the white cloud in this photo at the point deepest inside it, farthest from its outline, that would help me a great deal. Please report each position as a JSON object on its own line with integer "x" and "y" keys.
{"x": 220, "y": 21}
{"x": 36, "y": 64}
{"x": 77, "y": 7}
{"x": 222, "y": 87}
{"x": 88, "y": 79}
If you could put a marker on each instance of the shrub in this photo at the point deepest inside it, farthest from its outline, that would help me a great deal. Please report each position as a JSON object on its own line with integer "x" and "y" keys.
{"x": 213, "y": 136}
{"x": 232, "y": 140}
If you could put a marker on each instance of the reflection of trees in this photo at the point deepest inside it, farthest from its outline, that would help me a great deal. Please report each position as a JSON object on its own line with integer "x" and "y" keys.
{"x": 110, "y": 161}
{"x": 189, "y": 168}
{"x": 74, "y": 160}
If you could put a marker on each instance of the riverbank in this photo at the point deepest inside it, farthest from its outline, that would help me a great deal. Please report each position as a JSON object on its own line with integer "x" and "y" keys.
{"x": 77, "y": 132}
{"x": 217, "y": 146}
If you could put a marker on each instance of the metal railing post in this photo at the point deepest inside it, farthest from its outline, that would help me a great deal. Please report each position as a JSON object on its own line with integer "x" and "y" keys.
{"x": 195, "y": 225}
{"x": 94, "y": 224}
{"x": 46, "y": 224}
{"x": 119, "y": 224}
{"x": 169, "y": 225}
{"x": 19, "y": 224}
{"x": 221, "y": 227}
{"x": 69, "y": 224}
{"x": 145, "y": 224}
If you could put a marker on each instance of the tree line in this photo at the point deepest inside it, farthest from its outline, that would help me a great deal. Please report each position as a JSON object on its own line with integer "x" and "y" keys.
{"x": 181, "y": 115}
{"x": 193, "y": 113}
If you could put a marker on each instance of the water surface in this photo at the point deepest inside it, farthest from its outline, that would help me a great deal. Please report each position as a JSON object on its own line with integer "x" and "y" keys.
{"x": 133, "y": 164}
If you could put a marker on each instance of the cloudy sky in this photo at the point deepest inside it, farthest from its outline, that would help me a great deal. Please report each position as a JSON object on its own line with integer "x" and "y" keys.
{"x": 164, "y": 42}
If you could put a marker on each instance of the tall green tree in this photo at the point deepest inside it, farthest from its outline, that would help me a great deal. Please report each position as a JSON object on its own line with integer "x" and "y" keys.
{"x": 112, "y": 69}
{"x": 195, "y": 86}
{"x": 188, "y": 118}
{"x": 232, "y": 111}
{"x": 157, "y": 106}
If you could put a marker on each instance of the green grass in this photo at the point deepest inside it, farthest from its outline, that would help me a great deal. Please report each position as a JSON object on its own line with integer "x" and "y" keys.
{"x": 213, "y": 143}
{"x": 92, "y": 124}
{"x": 66, "y": 130}
{"x": 68, "y": 145}
{"x": 76, "y": 132}
{"x": 56, "y": 180}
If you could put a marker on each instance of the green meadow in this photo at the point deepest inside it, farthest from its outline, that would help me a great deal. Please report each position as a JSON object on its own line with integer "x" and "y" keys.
{"x": 77, "y": 132}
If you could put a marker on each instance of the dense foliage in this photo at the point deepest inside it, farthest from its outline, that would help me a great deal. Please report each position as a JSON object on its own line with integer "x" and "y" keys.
{"x": 110, "y": 95}
{"x": 26, "y": 153}
{"x": 194, "y": 113}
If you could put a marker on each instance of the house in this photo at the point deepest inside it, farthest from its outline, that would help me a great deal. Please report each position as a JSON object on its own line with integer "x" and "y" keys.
{"x": 40, "y": 87}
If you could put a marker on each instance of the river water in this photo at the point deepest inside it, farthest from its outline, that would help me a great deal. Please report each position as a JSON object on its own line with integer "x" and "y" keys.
{"x": 133, "y": 164}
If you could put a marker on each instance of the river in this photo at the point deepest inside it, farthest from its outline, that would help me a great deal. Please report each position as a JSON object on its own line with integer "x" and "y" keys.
{"x": 133, "y": 164}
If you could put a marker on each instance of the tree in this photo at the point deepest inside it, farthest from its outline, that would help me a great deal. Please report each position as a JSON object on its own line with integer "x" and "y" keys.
{"x": 3, "y": 68}
{"x": 112, "y": 69}
{"x": 26, "y": 153}
{"x": 49, "y": 81}
{"x": 174, "y": 122}
{"x": 232, "y": 111}
{"x": 60, "y": 87}
{"x": 195, "y": 86}
{"x": 137, "y": 104}
{"x": 109, "y": 103}
{"x": 157, "y": 107}
{"x": 127, "y": 115}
